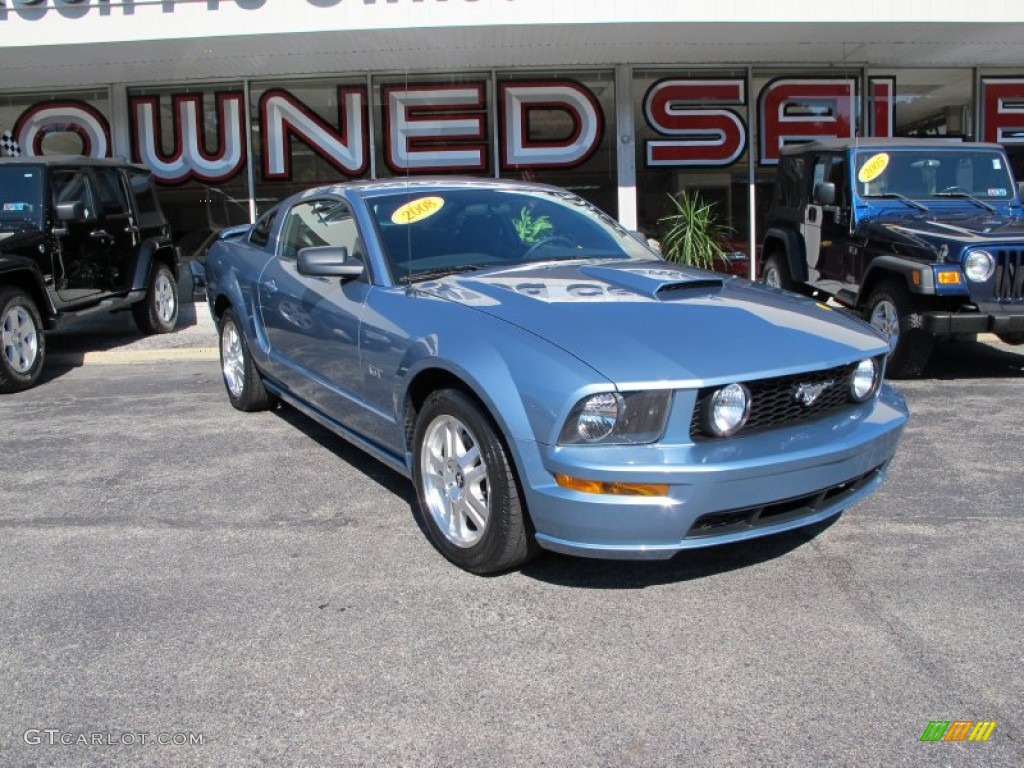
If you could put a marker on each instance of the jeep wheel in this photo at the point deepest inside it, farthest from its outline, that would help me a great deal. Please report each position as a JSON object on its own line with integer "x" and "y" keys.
{"x": 775, "y": 274}
{"x": 241, "y": 379}
{"x": 896, "y": 314}
{"x": 158, "y": 312}
{"x": 23, "y": 344}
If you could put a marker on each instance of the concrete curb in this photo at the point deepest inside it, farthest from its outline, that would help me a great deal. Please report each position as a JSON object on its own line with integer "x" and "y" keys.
{"x": 133, "y": 356}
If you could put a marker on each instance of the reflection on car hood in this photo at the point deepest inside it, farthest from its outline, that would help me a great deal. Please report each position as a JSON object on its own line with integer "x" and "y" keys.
{"x": 964, "y": 229}
{"x": 638, "y": 322}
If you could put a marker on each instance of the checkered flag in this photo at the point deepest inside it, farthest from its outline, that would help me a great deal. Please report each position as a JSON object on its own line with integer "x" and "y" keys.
{"x": 8, "y": 146}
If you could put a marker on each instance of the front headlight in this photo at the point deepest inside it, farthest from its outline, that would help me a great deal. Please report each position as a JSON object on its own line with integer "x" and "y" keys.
{"x": 727, "y": 410}
{"x": 864, "y": 381}
{"x": 613, "y": 418}
{"x": 979, "y": 266}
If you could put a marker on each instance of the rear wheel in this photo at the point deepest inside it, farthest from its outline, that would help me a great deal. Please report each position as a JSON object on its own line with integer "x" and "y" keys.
{"x": 241, "y": 379}
{"x": 23, "y": 344}
{"x": 158, "y": 311}
{"x": 775, "y": 273}
{"x": 896, "y": 314}
{"x": 467, "y": 487}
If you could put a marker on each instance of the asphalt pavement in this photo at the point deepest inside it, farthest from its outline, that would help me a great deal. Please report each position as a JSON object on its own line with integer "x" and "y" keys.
{"x": 186, "y": 585}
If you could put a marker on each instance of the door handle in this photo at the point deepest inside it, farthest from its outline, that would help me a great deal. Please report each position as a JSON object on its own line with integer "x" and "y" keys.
{"x": 812, "y": 215}
{"x": 270, "y": 285}
{"x": 101, "y": 235}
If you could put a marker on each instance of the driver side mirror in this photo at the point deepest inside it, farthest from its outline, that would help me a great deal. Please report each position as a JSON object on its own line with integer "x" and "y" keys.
{"x": 328, "y": 261}
{"x": 71, "y": 211}
{"x": 824, "y": 193}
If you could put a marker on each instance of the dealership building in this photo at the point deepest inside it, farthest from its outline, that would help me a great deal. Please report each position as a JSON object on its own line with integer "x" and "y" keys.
{"x": 236, "y": 103}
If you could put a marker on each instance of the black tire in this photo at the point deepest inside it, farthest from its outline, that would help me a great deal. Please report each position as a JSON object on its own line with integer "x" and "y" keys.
{"x": 775, "y": 272}
{"x": 23, "y": 343}
{"x": 241, "y": 378}
{"x": 158, "y": 311}
{"x": 891, "y": 305}
{"x": 487, "y": 528}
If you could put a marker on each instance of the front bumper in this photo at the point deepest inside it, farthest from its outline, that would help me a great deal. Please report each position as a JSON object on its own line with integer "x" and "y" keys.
{"x": 947, "y": 323}
{"x": 719, "y": 492}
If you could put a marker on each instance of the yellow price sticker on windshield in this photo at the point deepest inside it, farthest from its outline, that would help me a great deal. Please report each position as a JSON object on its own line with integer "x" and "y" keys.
{"x": 873, "y": 168}
{"x": 417, "y": 210}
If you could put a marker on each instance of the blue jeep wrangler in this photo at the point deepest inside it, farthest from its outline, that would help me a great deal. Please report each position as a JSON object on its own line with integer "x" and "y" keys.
{"x": 923, "y": 237}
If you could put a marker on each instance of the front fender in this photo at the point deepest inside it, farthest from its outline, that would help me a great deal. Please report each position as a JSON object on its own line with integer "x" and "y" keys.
{"x": 528, "y": 384}
{"x": 884, "y": 266}
{"x": 793, "y": 249}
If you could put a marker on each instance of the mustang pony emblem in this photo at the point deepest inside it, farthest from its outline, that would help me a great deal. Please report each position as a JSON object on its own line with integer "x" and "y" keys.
{"x": 806, "y": 394}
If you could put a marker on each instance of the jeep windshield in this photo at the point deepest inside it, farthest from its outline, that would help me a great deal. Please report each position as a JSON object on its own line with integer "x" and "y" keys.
{"x": 453, "y": 229}
{"x": 21, "y": 197}
{"x": 956, "y": 172}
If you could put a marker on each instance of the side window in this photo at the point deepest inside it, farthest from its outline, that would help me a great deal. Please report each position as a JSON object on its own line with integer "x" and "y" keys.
{"x": 259, "y": 235}
{"x": 112, "y": 199}
{"x": 146, "y": 200}
{"x": 320, "y": 222}
{"x": 70, "y": 186}
{"x": 832, "y": 169}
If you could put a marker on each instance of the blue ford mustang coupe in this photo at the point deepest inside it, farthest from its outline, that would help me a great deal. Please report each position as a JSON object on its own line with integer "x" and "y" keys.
{"x": 543, "y": 377}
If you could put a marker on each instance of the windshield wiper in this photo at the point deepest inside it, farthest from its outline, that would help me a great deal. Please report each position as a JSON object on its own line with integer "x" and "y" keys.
{"x": 967, "y": 196}
{"x": 902, "y": 198}
{"x": 433, "y": 274}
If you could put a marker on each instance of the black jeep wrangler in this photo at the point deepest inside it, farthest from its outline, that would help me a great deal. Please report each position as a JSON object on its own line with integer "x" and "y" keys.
{"x": 78, "y": 236}
{"x": 923, "y": 237}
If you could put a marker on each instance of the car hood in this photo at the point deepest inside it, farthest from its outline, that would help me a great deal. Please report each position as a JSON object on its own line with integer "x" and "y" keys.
{"x": 644, "y": 322}
{"x": 964, "y": 229}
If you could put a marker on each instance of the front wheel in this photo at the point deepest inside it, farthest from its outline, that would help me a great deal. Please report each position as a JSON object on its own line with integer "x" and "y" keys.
{"x": 158, "y": 311}
{"x": 241, "y": 379}
{"x": 775, "y": 274}
{"x": 896, "y": 314}
{"x": 466, "y": 486}
{"x": 23, "y": 344}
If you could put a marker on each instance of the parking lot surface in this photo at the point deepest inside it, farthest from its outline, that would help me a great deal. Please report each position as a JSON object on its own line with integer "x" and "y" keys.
{"x": 183, "y": 584}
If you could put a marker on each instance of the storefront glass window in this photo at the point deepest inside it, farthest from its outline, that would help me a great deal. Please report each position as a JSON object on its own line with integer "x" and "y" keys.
{"x": 68, "y": 123}
{"x": 559, "y": 128}
{"x": 195, "y": 140}
{"x": 692, "y": 137}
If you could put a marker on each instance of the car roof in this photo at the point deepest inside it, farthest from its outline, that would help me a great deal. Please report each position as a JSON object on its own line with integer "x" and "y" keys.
{"x": 424, "y": 184}
{"x": 841, "y": 145}
{"x": 79, "y": 160}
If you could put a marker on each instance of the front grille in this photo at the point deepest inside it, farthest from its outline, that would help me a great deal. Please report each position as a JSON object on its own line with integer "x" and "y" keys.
{"x": 748, "y": 518}
{"x": 1009, "y": 275}
{"x": 774, "y": 402}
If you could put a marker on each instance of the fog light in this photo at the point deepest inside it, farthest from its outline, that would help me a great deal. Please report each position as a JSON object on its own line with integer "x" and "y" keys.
{"x": 864, "y": 381}
{"x": 611, "y": 488}
{"x": 729, "y": 408}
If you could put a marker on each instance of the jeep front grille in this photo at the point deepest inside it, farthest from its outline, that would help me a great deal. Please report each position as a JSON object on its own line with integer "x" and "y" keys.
{"x": 774, "y": 402}
{"x": 1009, "y": 275}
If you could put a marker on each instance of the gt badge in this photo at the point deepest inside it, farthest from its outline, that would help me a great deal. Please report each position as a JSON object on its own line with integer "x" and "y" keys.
{"x": 807, "y": 394}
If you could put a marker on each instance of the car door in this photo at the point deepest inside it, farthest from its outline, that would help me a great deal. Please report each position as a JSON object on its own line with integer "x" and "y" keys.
{"x": 826, "y": 225}
{"x": 117, "y": 228}
{"x": 312, "y": 323}
{"x": 82, "y": 249}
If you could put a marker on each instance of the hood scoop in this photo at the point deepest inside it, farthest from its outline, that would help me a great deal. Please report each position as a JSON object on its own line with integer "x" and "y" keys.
{"x": 663, "y": 283}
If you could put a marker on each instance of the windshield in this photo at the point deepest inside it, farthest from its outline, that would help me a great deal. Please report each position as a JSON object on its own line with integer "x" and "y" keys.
{"x": 21, "y": 196}
{"x": 937, "y": 173}
{"x": 431, "y": 233}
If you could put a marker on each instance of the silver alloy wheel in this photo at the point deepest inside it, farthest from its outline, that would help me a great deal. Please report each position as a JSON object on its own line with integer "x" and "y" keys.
{"x": 163, "y": 298}
{"x": 885, "y": 319}
{"x": 771, "y": 276}
{"x": 232, "y": 359}
{"x": 455, "y": 483}
{"x": 20, "y": 339}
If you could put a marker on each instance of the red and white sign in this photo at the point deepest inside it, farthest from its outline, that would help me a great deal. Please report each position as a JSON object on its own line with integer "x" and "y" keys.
{"x": 435, "y": 128}
{"x": 794, "y": 110}
{"x": 188, "y": 157}
{"x": 1002, "y": 114}
{"x": 518, "y": 101}
{"x": 50, "y": 117}
{"x": 708, "y": 135}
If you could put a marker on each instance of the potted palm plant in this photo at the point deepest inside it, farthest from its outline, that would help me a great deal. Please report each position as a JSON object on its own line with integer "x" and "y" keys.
{"x": 692, "y": 234}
